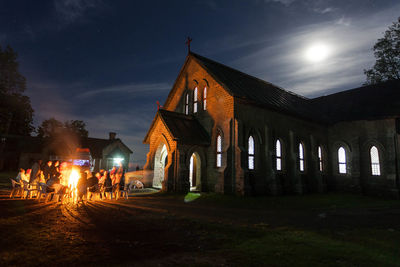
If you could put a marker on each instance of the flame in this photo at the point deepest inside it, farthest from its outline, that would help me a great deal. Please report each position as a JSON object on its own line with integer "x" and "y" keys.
{"x": 72, "y": 183}
{"x": 73, "y": 179}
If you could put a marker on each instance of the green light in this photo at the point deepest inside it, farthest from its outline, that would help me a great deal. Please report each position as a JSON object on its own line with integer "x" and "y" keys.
{"x": 191, "y": 196}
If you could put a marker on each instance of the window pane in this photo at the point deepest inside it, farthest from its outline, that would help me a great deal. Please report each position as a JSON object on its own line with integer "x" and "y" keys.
{"x": 374, "y": 155}
{"x": 375, "y": 166}
{"x": 376, "y": 169}
{"x": 251, "y": 162}
{"x": 342, "y": 160}
{"x": 342, "y": 168}
{"x": 219, "y": 160}
{"x": 301, "y": 165}
{"x": 219, "y": 144}
{"x": 205, "y": 98}
{"x": 187, "y": 104}
{"x": 342, "y": 155}
{"x": 195, "y": 107}
{"x": 320, "y": 158}
{"x": 251, "y": 146}
{"x": 278, "y": 164}
{"x": 195, "y": 95}
{"x": 278, "y": 148}
{"x": 301, "y": 153}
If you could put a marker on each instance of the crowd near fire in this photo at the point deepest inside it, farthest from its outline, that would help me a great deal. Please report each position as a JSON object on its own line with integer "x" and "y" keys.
{"x": 63, "y": 181}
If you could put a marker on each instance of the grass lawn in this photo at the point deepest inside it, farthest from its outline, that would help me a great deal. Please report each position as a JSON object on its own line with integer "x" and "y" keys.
{"x": 207, "y": 230}
{"x": 5, "y": 179}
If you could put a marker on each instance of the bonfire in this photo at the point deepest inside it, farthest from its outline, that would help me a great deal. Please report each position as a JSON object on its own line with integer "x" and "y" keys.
{"x": 73, "y": 182}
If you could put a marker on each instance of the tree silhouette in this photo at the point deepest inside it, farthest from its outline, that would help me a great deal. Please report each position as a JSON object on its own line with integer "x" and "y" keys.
{"x": 16, "y": 113}
{"x": 387, "y": 54}
{"x": 53, "y": 128}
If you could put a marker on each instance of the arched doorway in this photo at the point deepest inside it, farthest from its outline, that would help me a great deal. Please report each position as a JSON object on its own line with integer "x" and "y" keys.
{"x": 195, "y": 172}
{"x": 160, "y": 161}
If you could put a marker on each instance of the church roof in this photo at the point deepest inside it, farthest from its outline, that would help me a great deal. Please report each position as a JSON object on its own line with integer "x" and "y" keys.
{"x": 257, "y": 91}
{"x": 184, "y": 128}
{"x": 364, "y": 103}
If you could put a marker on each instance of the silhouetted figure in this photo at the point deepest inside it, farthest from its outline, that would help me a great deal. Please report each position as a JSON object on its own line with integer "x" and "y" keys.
{"x": 47, "y": 170}
{"x": 82, "y": 185}
{"x": 35, "y": 171}
{"x": 55, "y": 169}
{"x": 108, "y": 183}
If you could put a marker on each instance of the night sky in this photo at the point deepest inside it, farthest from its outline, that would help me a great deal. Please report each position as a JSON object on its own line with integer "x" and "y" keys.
{"x": 108, "y": 62}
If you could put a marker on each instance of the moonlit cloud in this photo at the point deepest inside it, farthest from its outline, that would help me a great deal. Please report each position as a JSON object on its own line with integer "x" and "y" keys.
{"x": 351, "y": 51}
{"x": 284, "y": 2}
{"x": 143, "y": 88}
{"x": 325, "y": 10}
{"x": 70, "y": 11}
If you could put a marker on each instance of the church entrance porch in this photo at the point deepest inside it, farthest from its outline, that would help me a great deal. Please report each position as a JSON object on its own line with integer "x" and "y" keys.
{"x": 195, "y": 172}
{"x": 160, "y": 161}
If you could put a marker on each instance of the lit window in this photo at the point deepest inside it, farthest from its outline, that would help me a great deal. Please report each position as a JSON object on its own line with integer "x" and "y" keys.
{"x": 375, "y": 166}
{"x": 187, "y": 104}
{"x": 320, "y": 158}
{"x": 342, "y": 160}
{"x": 301, "y": 157}
{"x": 251, "y": 153}
{"x": 219, "y": 151}
{"x": 195, "y": 100}
{"x": 205, "y": 98}
{"x": 278, "y": 155}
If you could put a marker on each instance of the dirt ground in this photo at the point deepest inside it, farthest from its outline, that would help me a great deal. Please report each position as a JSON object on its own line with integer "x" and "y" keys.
{"x": 164, "y": 230}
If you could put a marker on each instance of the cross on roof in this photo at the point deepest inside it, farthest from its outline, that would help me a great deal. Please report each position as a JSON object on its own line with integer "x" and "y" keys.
{"x": 188, "y": 42}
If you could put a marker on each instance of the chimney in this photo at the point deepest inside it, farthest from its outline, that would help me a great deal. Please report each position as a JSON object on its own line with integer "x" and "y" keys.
{"x": 112, "y": 135}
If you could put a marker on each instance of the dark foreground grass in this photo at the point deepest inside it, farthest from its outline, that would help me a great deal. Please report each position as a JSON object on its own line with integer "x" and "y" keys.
{"x": 291, "y": 247}
{"x": 5, "y": 179}
{"x": 208, "y": 230}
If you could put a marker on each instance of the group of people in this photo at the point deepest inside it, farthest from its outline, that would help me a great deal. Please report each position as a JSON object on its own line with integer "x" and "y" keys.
{"x": 56, "y": 173}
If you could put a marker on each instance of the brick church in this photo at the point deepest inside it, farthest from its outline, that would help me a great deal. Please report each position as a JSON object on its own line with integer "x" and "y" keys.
{"x": 221, "y": 130}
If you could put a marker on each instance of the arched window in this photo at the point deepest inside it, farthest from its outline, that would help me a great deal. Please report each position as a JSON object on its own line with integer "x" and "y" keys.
{"x": 219, "y": 150}
{"x": 301, "y": 157}
{"x": 187, "y": 104}
{"x": 278, "y": 155}
{"x": 205, "y": 98}
{"x": 320, "y": 159}
{"x": 375, "y": 166}
{"x": 342, "y": 160}
{"x": 195, "y": 100}
{"x": 250, "y": 151}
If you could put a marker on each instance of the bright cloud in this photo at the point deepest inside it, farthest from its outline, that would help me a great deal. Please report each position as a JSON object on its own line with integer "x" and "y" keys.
{"x": 350, "y": 51}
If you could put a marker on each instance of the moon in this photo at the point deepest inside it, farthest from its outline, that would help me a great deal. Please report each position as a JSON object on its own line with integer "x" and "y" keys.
{"x": 317, "y": 52}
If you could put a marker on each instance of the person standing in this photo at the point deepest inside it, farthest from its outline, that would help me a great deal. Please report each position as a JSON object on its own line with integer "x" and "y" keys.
{"x": 113, "y": 176}
{"x": 35, "y": 171}
{"x": 55, "y": 169}
{"x": 47, "y": 170}
{"x": 120, "y": 176}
